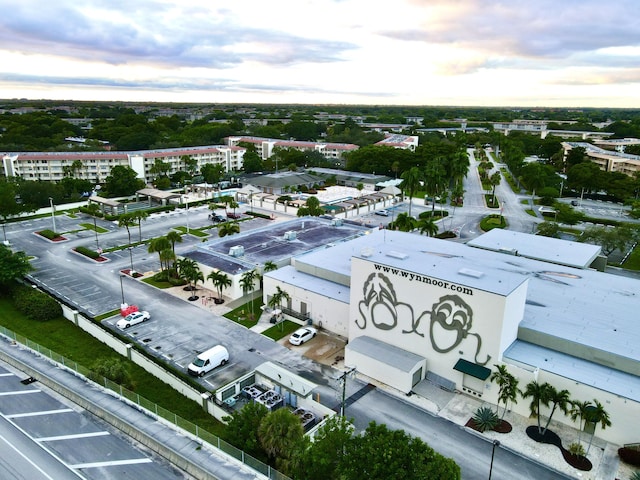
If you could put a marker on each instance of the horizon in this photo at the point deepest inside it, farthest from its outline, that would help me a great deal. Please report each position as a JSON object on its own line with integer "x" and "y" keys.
{"x": 416, "y": 53}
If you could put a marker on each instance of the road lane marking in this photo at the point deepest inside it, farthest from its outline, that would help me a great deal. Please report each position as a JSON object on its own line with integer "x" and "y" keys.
{"x": 35, "y": 414}
{"x": 73, "y": 436}
{"x": 21, "y": 392}
{"x": 133, "y": 461}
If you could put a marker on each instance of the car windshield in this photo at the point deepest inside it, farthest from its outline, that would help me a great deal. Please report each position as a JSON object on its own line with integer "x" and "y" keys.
{"x": 296, "y": 335}
{"x": 198, "y": 362}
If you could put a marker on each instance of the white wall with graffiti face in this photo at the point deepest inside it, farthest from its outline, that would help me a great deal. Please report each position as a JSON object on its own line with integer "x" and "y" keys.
{"x": 436, "y": 319}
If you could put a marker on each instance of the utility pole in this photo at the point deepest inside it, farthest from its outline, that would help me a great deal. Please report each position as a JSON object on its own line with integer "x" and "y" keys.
{"x": 343, "y": 379}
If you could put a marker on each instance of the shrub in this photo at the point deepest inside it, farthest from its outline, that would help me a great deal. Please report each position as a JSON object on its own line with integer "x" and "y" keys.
{"x": 258, "y": 214}
{"x": 87, "y": 252}
{"x": 635, "y": 476}
{"x": 576, "y": 449}
{"x": 176, "y": 282}
{"x": 113, "y": 369}
{"x": 485, "y": 419}
{"x": 50, "y": 234}
{"x": 162, "y": 276}
{"x": 36, "y": 305}
{"x": 437, "y": 213}
{"x": 630, "y": 455}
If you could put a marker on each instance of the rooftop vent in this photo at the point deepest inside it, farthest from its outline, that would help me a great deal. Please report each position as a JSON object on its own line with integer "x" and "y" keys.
{"x": 236, "y": 251}
{"x": 336, "y": 222}
{"x": 398, "y": 255}
{"x": 366, "y": 252}
{"x": 290, "y": 235}
{"x": 470, "y": 273}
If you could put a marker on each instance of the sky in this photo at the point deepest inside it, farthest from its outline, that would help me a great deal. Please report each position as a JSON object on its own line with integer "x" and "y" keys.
{"x": 546, "y": 53}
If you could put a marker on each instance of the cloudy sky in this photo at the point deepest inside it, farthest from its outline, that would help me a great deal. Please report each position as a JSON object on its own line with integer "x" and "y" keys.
{"x": 404, "y": 52}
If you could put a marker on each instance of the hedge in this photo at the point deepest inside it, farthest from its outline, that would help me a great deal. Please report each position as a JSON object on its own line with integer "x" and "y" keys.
{"x": 50, "y": 234}
{"x": 36, "y": 305}
{"x": 87, "y": 252}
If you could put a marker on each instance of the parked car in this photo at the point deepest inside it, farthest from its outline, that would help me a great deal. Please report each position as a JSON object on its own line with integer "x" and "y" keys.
{"x": 384, "y": 213}
{"x": 208, "y": 360}
{"x": 214, "y": 217}
{"x": 574, "y": 203}
{"x": 133, "y": 319}
{"x": 233, "y": 216}
{"x": 302, "y": 335}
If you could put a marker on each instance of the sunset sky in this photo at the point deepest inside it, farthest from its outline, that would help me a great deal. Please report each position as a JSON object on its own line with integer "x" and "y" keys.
{"x": 581, "y": 53}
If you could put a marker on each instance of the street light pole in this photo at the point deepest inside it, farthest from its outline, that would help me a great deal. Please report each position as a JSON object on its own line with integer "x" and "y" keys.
{"x": 53, "y": 214}
{"x": 186, "y": 202}
{"x": 121, "y": 289}
{"x": 496, "y": 443}
{"x": 343, "y": 379}
{"x": 131, "y": 272}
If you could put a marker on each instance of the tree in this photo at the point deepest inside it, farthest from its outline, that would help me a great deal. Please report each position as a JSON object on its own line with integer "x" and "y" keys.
{"x": 312, "y": 208}
{"x": 228, "y": 228}
{"x": 403, "y": 223}
{"x": 127, "y": 220}
{"x": 220, "y": 281}
{"x": 322, "y": 457}
{"x": 494, "y": 180}
{"x": 558, "y": 399}
{"x": 194, "y": 275}
{"x": 269, "y": 266}
{"x": 609, "y": 238}
{"x": 381, "y": 453}
{"x": 579, "y": 411}
{"x": 280, "y": 435}
{"x": 247, "y": 283}
{"x": 212, "y": 173}
{"x": 549, "y": 229}
{"x": 159, "y": 245}
{"x": 539, "y": 396}
{"x": 8, "y": 204}
{"x": 140, "y": 215}
{"x": 410, "y": 182}
{"x": 427, "y": 225}
{"x": 174, "y": 237}
{"x": 122, "y": 181}
{"x": 598, "y": 415}
{"x": 12, "y": 265}
{"x": 276, "y": 299}
{"x": 242, "y": 429}
{"x": 434, "y": 180}
{"x": 501, "y": 378}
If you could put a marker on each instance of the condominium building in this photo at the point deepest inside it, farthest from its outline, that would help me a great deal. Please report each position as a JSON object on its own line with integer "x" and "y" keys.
{"x": 97, "y": 166}
{"x": 607, "y": 160}
{"x": 265, "y": 147}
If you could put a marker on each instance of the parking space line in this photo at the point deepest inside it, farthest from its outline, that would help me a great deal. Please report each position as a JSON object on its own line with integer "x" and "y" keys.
{"x": 25, "y": 457}
{"x": 73, "y": 436}
{"x": 21, "y": 392}
{"x": 6, "y": 375}
{"x": 133, "y": 461}
{"x": 35, "y": 414}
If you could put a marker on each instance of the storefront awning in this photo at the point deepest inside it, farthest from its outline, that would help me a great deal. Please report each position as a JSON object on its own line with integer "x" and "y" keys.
{"x": 472, "y": 369}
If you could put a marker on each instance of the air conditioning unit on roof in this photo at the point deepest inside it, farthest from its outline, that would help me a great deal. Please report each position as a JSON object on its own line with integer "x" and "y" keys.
{"x": 290, "y": 235}
{"x": 236, "y": 251}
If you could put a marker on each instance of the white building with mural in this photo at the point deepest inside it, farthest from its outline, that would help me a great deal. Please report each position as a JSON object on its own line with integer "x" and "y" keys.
{"x": 428, "y": 310}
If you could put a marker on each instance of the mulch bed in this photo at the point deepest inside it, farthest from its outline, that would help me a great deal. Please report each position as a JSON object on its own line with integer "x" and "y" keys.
{"x": 502, "y": 427}
{"x": 59, "y": 238}
{"x": 127, "y": 271}
{"x": 576, "y": 461}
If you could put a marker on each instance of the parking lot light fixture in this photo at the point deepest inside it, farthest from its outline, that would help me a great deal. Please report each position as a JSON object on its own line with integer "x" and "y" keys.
{"x": 496, "y": 443}
{"x": 122, "y": 290}
{"x": 131, "y": 272}
{"x": 53, "y": 214}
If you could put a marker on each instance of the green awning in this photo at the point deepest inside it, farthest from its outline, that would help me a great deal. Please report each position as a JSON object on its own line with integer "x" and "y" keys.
{"x": 472, "y": 369}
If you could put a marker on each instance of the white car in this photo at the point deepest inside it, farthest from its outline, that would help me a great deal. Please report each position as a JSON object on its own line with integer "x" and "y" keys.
{"x": 302, "y": 335}
{"x": 133, "y": 319}
{"x": 384, "y": 213}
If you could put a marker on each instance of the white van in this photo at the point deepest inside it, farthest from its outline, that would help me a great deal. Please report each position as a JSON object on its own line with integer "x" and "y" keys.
{"x": 208, "y": 360}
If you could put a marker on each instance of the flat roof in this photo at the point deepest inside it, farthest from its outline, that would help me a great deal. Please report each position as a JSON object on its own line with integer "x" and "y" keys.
{"x": 553, "y": 250}
{"x": 395, "y": 357}
{"x": 332, "y": 290}
{"x": 598, "y": 376}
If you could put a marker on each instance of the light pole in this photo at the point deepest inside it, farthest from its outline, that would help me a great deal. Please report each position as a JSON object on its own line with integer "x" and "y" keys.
{"x": 496, "y": 443}
{"x": 186, "y": 202}
{"x": 121, "y": 289}
{"x": 343, "y": 379}
{"x": 131, "y": 272}
{"x": 53, "y": 214}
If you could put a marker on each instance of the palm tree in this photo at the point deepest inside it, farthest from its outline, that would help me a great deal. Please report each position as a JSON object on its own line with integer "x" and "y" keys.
{"x": 404, "y": 222}
{"x": 247, "y": 283}
{"x": 93, "y": 209}
{"x": 158, "y": 245}
{"x": 166, "y": 256}
{"x": 580, "y": 410}
{"x": 410, "y": 182}
{"x": 558, "y": 399}
{"x": 598, "y": 415}
{"x": 539, "y": 396}
{"x": 228, "y": 228}
{"x": 276, "y": 299}
{"x": 501, "y": 378}
{"x": 140, "y": 215}
{"x": 280, "y": 432}
{"x": 220, "y": 281}
{"x": 494, "y": 180}
{"x": 510, "y": 394}
{"x": 194, "y": 275}
{"x": 428, "y": 226}
{"x": 173, "y": 237}
{"x": 127, "y": 220}
{"x": 186, "y": 267}
{"x": 269, "y": 266}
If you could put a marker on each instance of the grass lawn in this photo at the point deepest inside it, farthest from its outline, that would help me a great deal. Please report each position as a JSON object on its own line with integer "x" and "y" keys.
{"x": 64, "y": 338}
{"x": 89, "y": 226}
{"x": 633, "y": 261}
{"x": 531, "y": 212}
{"x": 158, "y": 284}
{"x": 492, "y": 221}
{"x": 243, "y": 313}
{"x": 192, "y": 231}
{"x": 281, "y": 330}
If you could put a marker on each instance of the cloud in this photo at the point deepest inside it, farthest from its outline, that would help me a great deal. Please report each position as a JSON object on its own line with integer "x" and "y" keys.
{"x": 539, "y": 30}
{"x": 154, "y": 33}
